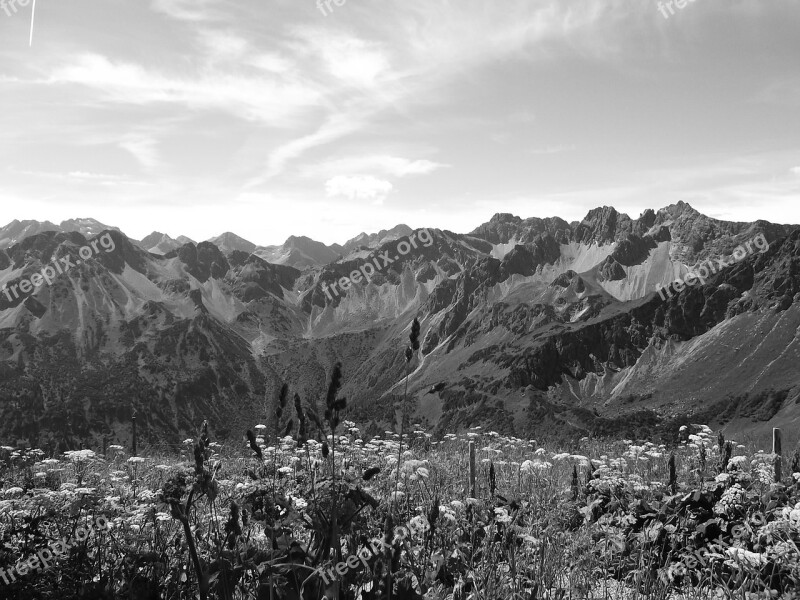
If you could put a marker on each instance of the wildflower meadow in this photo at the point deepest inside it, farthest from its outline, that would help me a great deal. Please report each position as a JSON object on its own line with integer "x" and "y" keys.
{"x": 320, "y": 510}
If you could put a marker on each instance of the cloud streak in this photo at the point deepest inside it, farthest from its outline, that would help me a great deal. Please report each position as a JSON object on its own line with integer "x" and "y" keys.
{"x": 259, "y": 99}
{"x": 358, "y": 187}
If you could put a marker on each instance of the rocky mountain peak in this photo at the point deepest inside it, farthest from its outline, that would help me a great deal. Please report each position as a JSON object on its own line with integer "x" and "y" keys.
{"x": 228, "y": 242}
{"x": 505, "y": 218}
{"x": 602, "y": 226}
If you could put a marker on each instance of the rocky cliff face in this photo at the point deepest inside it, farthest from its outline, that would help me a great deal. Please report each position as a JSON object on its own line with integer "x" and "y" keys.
{"x": 522, "y": 319}
{"x": 161, "y": 243}
{"x": 365, "y": 240}
{"x": 300, "y": 252}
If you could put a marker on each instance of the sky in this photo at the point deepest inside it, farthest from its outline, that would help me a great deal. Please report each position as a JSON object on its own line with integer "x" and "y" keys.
{"x": 272, "y": 118}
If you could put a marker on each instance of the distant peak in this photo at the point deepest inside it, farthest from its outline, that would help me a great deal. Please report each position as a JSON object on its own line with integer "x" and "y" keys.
{"x": 679, "y": 208}
{"x": 80, "y": 221}
{"x": 647, "y": 218}
{"x": 505, "y": 218}
{"x": 229, "y": 241}
{"x": 601, "y": 211}
{"x": 304, "y": 240}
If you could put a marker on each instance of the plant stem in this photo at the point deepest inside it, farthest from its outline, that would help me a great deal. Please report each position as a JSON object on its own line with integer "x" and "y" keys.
{"x": 400, "y": 447}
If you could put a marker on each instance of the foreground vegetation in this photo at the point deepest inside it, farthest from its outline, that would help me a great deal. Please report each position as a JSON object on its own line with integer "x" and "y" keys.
{"x": 271, "y": 519}
{"x": 321, "y": 512}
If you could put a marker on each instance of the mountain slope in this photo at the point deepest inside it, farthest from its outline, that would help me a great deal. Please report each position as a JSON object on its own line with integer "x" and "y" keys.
{"x": 161, "y": 243}
{"x": 299, "y": 252}
{"x": 17, "y": 230}
{"x": 529, "y": 326}
{"x": 364, "y": 240}
{"x": 228, "y": 242}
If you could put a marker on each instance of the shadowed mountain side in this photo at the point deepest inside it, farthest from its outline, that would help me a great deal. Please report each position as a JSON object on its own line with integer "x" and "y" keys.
{"x": 527, "y": 325}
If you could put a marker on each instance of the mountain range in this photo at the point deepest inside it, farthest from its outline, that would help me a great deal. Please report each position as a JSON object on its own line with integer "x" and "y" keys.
{"x": 532, "y": 327}
{"x": 298, "y": 251}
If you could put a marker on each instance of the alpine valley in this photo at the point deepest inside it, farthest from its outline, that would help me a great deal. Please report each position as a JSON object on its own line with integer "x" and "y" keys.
{"x": 532, "y": 327}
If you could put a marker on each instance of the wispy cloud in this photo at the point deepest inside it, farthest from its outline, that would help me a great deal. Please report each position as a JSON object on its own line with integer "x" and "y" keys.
{"x": 79, "y": 178}
{"x": 223, "y": 46}
{"x": 452, "y": 41}
{"x": 334, "y": 128}
{"x": 379, "y": 164}
{"x": 143, "y": 148}
{"x": 349, "y": 60}
{"x": 256, "y": 98}
{"x": 192, "y": 11}
{"x": 399, "y": 99}
{"x": 358, "y": 187}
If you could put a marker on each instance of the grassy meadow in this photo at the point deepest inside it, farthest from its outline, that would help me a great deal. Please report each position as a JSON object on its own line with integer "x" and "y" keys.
{"x": 271, "y": 518}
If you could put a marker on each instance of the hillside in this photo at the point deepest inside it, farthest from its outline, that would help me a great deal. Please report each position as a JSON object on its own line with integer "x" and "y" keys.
{"x": 530, "y": 326}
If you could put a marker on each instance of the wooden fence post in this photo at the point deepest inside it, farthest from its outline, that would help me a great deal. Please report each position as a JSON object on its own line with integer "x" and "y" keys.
{"x": 777, "y": 450}
{"x": 133, "y": 419}
{"x": 673, "y": 476}
{"x": 574, "y": 484}
{"x": 472, "y": 469}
